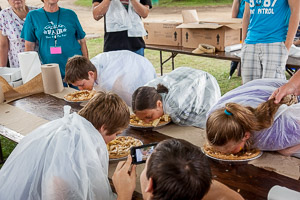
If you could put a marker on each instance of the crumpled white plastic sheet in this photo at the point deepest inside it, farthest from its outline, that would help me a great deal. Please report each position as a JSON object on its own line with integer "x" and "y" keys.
{"x": 122, "y": 72}
{"x": 191, "y": 94}
{"x": 63, "y": 159}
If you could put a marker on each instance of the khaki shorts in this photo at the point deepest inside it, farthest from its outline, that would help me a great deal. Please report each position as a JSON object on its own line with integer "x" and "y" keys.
{"x": 263, "y": 60}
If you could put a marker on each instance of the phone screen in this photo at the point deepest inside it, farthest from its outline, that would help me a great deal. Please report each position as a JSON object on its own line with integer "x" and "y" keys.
{"x": 141, "y": 153}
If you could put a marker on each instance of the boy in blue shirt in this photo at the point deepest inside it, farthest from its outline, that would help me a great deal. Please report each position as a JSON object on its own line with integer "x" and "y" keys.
{"x": 269, "y": 28}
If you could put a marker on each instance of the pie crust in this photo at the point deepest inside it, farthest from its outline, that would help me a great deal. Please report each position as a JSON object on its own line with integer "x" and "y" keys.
{"x": 120, "y": 147}
{"x": 82, "y": 95}
{"x": 242, "y": 155}
{"x": 135, "y": 121}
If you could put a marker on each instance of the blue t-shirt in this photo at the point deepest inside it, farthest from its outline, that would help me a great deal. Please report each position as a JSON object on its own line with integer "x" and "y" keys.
{"x": 269, "y": 20}
{"x": 241, "y": 9}
{"x": 42, "y": 26}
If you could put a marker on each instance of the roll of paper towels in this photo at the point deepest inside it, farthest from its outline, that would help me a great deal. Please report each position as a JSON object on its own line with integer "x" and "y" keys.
{"x": 51, "y": 78}
{"x": 1, "y": 94}
{"x": 30, "y": 65}
{"x": 282, "y": 193}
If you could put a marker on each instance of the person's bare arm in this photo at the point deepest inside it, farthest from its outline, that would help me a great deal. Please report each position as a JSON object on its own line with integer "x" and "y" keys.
{"x": 235, "y": 8}
{"x": 293, "y": 23}
{"x": 246, "y": 18}
{"x": 140, "y": 9}
{"x": 290, "y": 87}
{"x": 122, "y": 177}
{"x": 29, "y": 46}
{"x": 290, "y": 151}
{"x": 220, "y": 191}
{"x": 100, "y": 9}
{"x": 84, "y": 49}
{"x": 4, "y": 44}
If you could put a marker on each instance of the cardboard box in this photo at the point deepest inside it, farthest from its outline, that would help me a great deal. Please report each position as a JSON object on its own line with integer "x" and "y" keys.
{"x": 219, "y": 34}
{"x": 10, "y": 74}
{"x": 163, "y": 33}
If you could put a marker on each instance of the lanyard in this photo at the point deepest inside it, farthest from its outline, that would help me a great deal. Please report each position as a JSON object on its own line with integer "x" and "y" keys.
{"x": 55, "y": 36}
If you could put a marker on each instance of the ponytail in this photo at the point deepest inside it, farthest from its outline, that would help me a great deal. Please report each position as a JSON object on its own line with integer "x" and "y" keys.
{"x": 162, "y": 89}
{"x": 234, "y": 120}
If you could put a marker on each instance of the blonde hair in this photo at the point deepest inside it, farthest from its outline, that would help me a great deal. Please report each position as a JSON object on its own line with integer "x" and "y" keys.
{"x": 107, "y": 109}
{"x": 222, "y": 128}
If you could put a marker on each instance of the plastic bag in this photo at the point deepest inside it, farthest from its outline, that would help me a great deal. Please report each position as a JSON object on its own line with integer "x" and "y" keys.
{"x": 191, "y": 94}
{"x": 118, "y": 19}
{"x": 137, "y": 26}
{"x": 122, "y": 72}
{"x": 63, "y": 159}
{"x": 285, "y": 131}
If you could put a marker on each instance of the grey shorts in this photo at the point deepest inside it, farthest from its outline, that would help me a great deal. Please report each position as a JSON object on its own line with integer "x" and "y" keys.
{"x": 263, "y": 60}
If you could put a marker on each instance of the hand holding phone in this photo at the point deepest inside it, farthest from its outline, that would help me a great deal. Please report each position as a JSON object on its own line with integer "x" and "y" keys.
{"x": 141, "y": 153}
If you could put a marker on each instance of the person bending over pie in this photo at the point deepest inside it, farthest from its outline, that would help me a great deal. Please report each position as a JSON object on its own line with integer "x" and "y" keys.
{"x": 245, "y": 118}
{"x": 67, "y": 158}
{"x": 185, "y": 94}
{"x": 121, "y": 72}
{"x": 175, "y": 170}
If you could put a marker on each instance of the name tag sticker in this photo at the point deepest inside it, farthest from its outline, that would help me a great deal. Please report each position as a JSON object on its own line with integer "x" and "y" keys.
{"x": 55, "y": 50}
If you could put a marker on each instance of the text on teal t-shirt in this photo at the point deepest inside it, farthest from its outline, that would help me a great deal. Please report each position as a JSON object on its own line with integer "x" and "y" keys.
{"x": 269, "y": 21}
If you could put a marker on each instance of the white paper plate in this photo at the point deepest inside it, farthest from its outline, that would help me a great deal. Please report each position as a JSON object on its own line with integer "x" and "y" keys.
{"x": 225, "y": 160}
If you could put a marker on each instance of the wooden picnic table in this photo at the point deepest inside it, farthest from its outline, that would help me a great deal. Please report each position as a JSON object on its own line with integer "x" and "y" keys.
{"x": 250, "y": 181}
{"x": 293, "y": 64}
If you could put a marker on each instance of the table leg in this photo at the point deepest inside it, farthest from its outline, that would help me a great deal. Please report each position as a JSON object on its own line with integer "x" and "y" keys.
{"x": 161, "y": 63}
{"x": 1, "y": 154}
{"x": 173, "y": 56}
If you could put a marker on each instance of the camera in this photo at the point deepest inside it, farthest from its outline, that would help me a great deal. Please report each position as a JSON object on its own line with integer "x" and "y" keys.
{"x": 141, "y": 153}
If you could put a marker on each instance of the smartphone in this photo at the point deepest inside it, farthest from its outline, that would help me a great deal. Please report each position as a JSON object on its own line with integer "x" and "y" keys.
{"x": 140, "y": 154}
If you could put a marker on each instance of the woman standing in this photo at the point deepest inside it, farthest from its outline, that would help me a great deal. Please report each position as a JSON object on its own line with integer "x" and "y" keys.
{"x": 58, "y": 32}
{"x": 11, "y": 24}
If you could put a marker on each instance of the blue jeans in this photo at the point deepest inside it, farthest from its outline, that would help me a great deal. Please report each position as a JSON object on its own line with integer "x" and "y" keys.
{"x": 140, "y": 51}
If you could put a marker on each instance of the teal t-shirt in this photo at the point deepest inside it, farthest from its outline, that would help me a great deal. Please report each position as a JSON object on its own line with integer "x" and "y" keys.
{"x": 241, "y": 9}
{"x": 269, "y": 20}
{"x": 42, "y": 26}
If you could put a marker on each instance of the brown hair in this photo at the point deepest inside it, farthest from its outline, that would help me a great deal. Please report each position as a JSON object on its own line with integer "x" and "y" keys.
{"x": 145, "y": 97}
{"x": 222, "y": 128}
{"x": 77, "y": 68}
{"x": 106, "y": 109}
{"x": 179, "y": 170}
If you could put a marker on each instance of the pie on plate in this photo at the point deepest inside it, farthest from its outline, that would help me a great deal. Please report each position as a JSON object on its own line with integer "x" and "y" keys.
{"x": 136, "y": 122}
{"x": 120, "y": 147}
{"x": 244, "y": 155}
{"x": 82, "y": 95}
